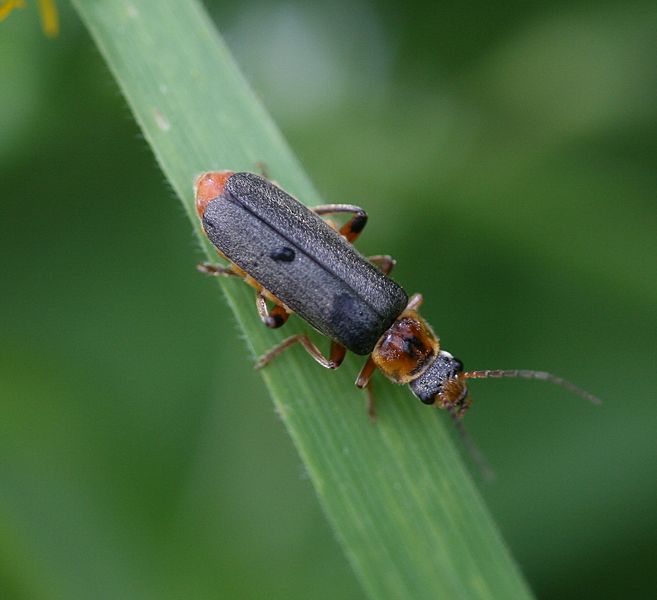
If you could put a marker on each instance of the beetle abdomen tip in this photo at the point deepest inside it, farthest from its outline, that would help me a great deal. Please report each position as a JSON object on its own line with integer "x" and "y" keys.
{"x": 209, "y": 186}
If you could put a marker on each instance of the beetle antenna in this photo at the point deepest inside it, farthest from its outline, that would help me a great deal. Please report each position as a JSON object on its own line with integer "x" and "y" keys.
{"x": 476, "y": 454}
{"x": 524, "y": 374}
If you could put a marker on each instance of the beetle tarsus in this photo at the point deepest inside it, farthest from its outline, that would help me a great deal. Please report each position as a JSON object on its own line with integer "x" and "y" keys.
{"x": 383, "y": 261}
{"x": 215, "y": 270}
{"x": 371, "y": 403}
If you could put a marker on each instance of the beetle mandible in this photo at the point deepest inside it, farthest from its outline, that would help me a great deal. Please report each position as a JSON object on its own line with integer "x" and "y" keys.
{"x": 306, "y": 265}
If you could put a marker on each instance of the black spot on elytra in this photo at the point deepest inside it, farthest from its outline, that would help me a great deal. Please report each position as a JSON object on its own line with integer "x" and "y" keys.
{"x": 283, "y": 254}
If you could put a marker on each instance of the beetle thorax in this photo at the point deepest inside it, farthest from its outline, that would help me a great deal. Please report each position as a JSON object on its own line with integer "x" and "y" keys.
{"x": 406, "y": 349}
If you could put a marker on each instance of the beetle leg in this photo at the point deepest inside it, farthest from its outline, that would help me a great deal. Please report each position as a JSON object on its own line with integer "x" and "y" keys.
{"x": 335, "y": 359}
{"x": 415, "y": 302}
{"x": 353, "y": 227}
{"x": 383, "y": 261}
{"x": 216, "y": 270}
{"x": 273, "y": 318}
{"x": 363, "y": 381}
{"x": 264, "y": 172}
{"x": 262, "y": 169}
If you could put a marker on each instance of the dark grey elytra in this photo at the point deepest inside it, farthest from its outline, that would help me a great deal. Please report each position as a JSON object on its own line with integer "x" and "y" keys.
{"x": 305, "y": 263}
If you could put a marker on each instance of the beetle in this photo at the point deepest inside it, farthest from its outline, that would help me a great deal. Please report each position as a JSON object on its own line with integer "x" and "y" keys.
{"x": 303, "y": 264}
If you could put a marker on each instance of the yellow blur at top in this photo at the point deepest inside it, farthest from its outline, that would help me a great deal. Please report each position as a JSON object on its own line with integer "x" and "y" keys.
{"x": 47, "y": 8}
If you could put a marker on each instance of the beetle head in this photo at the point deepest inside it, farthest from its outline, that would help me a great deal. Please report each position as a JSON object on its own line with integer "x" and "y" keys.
{"x": 443, "y": 385}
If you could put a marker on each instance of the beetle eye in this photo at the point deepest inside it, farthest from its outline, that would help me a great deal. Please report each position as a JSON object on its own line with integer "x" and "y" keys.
{"x": 458, "y": 364}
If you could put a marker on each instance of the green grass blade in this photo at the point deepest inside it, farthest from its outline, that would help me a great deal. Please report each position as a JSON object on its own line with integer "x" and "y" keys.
{"x": 397, "y": 494}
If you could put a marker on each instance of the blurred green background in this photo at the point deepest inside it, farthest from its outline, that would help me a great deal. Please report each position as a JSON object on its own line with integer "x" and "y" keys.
{"x": 506, "y": 155}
